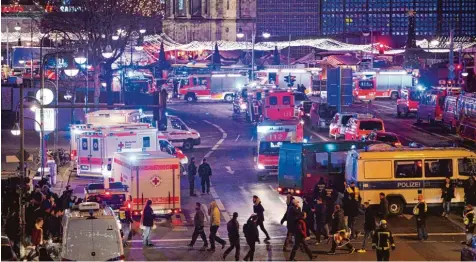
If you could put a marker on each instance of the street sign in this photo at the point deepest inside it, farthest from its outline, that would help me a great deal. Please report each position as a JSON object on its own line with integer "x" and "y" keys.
{"x": 26, "y": 155}
{"x": 49, "y": 120}
{"x": 451, "y": 67}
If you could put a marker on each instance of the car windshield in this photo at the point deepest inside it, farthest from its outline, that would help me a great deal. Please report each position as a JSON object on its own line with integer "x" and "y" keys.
{"x": 345, "y": 119}
{"x": 371, "y": 125}
{"x": 414, "y": 96}
{"x": 387, "y": 138}
{"x": 298, "y": 97}
{"x": 269, "y": 148}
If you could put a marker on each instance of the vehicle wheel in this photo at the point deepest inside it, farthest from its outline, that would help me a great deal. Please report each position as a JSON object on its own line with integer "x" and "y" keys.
{"x": 228, "y": 98}
{"x": 394, "y": 96}
{"x": 190, "y": 98}
{"x": 188, "y": 145}
{"x": 431, "y": 121}
{"x": 399, "y": 114}
{"x": 395, "y": 206}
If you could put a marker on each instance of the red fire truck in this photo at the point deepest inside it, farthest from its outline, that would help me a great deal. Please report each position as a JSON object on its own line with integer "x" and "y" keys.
{"x": 408, "y": 101}
{"x": 467, "y": 109}
{"x": 384, "y": 84}
{"x": 211, "y": 86}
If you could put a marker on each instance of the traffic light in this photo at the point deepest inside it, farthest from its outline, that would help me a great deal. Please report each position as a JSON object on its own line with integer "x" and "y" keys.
{"x": 290, "y": 80}
{"x": 458, "y": 67}
{"x": 381, "y": 49}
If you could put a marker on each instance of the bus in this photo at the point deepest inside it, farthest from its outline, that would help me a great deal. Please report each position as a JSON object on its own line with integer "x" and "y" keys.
{"x": 466, "y": 106}
{"x": 432, "y": 102}
{"x": 403, "y": 174}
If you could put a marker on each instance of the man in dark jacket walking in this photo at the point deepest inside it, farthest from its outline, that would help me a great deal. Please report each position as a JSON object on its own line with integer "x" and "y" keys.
{"x": 308, "y": 208}
{"x": 205, "y": 172}
{"x": 147, "y": 222}
{"x": 250, "y": 229}
{"x": 383, "y": 207}
{"x": 419, "y": 212}
{"x": 319, "y": 188}
{"x": 199, "y": 223}
{"x": 292, "y": 214}
{"x": 192, "y": 171}
{"x": 339, "y": 231}
{"x": 447, "y": 193}
{"x": 321, "y": 220}
{"x": 233, "y": 228}
{"x": 125, "y": 217}
{"x": 369, "y": 225}
{"x": 299, "y": 238}
{"x": 353, "y": 212}
{"x": 258, "y": 209}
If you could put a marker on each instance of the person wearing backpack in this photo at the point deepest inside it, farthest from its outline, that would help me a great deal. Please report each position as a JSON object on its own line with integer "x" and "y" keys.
{"x": 258, "y": 209}
{"x": 250, "y": 229}
{"x": 233, "y": 228}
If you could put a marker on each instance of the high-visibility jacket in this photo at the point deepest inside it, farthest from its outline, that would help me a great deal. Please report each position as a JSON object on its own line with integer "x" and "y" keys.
{"x": 417, "y": 208}
{"x": 383, "y": 239}
{"x": 354, "y": 191}
{"x": 469, "y": 218}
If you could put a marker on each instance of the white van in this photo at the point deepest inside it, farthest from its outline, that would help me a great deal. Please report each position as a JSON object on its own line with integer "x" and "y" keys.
{"x": 91, "y": 233}
{"x": 404, "y": 173}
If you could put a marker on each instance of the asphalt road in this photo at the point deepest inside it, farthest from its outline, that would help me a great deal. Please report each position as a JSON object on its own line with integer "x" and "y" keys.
{"x": 227, "y": 143}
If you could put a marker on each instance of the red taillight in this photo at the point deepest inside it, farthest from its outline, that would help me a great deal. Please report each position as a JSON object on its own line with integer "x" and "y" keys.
{"x": 129, "y": 205}
{"x": 280, "y": 189}
{"x": 108, "y": 193}
{"x": 136, "y": 213}
{"x": 298, "y": 191}
{"x": 73, "y": 153}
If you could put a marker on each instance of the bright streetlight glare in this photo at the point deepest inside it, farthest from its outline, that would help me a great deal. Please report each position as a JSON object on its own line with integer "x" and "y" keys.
{"x": 16, "y": 130}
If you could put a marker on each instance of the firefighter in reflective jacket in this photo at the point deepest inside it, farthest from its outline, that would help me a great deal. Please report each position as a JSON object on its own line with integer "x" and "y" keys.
{"x": 382, "y": 242}
{"x": 469, "y": 220}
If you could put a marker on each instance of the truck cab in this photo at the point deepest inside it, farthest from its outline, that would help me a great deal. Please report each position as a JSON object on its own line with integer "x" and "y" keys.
{"x": 408, "y": 101}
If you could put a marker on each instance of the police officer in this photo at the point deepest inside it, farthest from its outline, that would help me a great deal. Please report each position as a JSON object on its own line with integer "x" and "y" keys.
{"x": 126, "y": 220}
{"x": 382, "y": 241}
{"x": 419, "y": 211}
{"x": 469, "y": 220}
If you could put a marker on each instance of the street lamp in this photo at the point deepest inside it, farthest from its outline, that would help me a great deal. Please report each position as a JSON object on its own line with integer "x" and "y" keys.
{"x": 435, "y": 42}
{"x": 142, "y": 31}
{"x": 107, "y": 53}
{"x": 240, "y": 34}
{"x": 115, "y": 37}
{"x": 79, "y": 57}
{"x": 16, "y": 130}
{"x": 17, "y": 27}
{"x": 464, "y": 74}
{"x": 140, "y": 42}
{"x": 266, "y": 34}
{"x": 71, "y": 70}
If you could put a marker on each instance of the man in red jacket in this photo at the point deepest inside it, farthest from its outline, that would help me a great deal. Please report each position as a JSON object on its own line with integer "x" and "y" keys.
{"x": 299, "y": 236}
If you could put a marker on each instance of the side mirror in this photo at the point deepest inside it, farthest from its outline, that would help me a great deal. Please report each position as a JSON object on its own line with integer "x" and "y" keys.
{"x": 255, "y": 152}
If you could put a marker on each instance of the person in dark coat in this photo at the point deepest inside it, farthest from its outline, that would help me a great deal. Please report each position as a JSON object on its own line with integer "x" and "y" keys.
{"x": 353, "y": 213}
{"x": 259, "y": 211}
{"x": 147, "y": 222}
{"x": 199, "y": 224}
{"x": 125, "y": 217}
{"x": 299, "y": 238}
{"x": 205, "y": 172}
{"x": 447, "y": 193}
{"x": 383, "y": 241}
{"x": 383, "y": 207}
{"x": 470, "y": 192}
{"x": 420, "y": 212}
{"x": 250, "y": 229}
{"x": 53, "y": 224}
{"x": 369, "y": 225}
{"x": 319, "y": 188}
{"x": 192, "y": 172}
{"x": 339, "y": 231}
{"x": 321, "y": 220}
{"x": 308, "y": 208}
{"x": 233, "y": 228}
{"x": 292, "y": 214}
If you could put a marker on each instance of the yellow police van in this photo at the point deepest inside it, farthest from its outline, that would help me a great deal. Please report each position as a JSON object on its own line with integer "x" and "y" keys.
{"x": 404, "y": 173}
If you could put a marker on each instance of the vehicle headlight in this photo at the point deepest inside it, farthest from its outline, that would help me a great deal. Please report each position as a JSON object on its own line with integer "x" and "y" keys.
{"x": 260, "y": 167}
{"x": 243, "y": 106}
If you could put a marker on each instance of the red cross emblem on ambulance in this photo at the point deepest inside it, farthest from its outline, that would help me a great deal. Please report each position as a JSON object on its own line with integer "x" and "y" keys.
{"x": 155, "y": 181}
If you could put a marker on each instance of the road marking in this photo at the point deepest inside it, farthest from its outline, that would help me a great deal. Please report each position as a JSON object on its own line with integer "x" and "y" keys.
{"x": 220, "y": 141}
{"x": 213, "y": 193}
{"x": 387, "y": 107}
{"x": 220, "y": 204}
{"x": 224, "y": 135}
{"x": 281, "y": 197}
{"x": 226, "y": 216}
{"x": 237, "y": 138}
{"x": 215, "y": 147}
{"x": 173, "y": 108}
{"x": 251, "y": 140}
{"x": 228, "y": 169}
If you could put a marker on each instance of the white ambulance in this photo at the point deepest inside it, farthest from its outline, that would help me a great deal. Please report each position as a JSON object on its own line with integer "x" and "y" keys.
{"x": 102, "y": 117}
{"x": 96, "y": 149}
{"x": 78, "y": 129}
{"x": 177, "y": 132}
{"x": 150, "y": 175}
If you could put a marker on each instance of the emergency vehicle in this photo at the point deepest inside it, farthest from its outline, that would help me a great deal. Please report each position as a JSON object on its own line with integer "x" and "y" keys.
{"x": 383, "y": 84}
{"x": 110, "y": 117}
{"x": 467, "y": 116}
{"x": 96, "y": 149}
{"x": 321, "y": 115}
{"x": 270, "y": 136}
{"x": 339, "y": 123}
{"x": 78, "y": 129}
{"x": 179, "y": 134}
{"x": 362, "y": 126}
{"x": 450, "y": 118}
{"x": 220, "y": 86}
{"x": 114, "y": 195}
{"x": 150, "y": 175}
{"x": 404, "y": 173}
{"x": 408, "y": 101}
{"x": 432, "y": 102}
{"x": 285, "y": 78}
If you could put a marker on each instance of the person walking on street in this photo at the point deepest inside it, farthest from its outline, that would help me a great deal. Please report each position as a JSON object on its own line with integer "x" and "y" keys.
{"x": 259, "y": 211}
{"x": 419, "y": 211}
{"x": 469, "y": 220}
{"x": 192, "y": 171}
{"x": 382, "y": 241}
{"x": 339, "y": 232}
{"x": 250, "y": 229}
{"x": 319, "y": 188}
{"x": 321, "y": 220}
{"x": 205, "y": 172}
{"x": 199, "y": 224}
{"x": 369, "y": 225}
{"x": 299, "y": 238}
{"x": 383, "y": 207}
{"x": 147, "y": 223}
{"x": 126, "y": 221}
{"x": 233, "y": 228}
{"x": 353, "y": 212}
{"x": 447, "y": 193}
{"x": 291, "y": 217}
{"x": 308, "y": 208}
{"x": 214, "y": 225}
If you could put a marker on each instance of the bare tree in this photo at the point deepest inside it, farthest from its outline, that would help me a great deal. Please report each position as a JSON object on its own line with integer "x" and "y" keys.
{"x": 106, "y": 25}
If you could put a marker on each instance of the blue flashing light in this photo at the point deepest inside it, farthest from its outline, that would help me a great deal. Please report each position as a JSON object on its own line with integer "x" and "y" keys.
{"x": 330, "y": 147}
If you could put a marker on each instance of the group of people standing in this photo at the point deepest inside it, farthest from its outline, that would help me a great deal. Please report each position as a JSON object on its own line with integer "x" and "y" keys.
{"x": 204, "y": 171}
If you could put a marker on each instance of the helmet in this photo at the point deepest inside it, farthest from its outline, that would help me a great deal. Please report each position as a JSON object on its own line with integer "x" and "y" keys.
{"x": 383, "y": 222}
